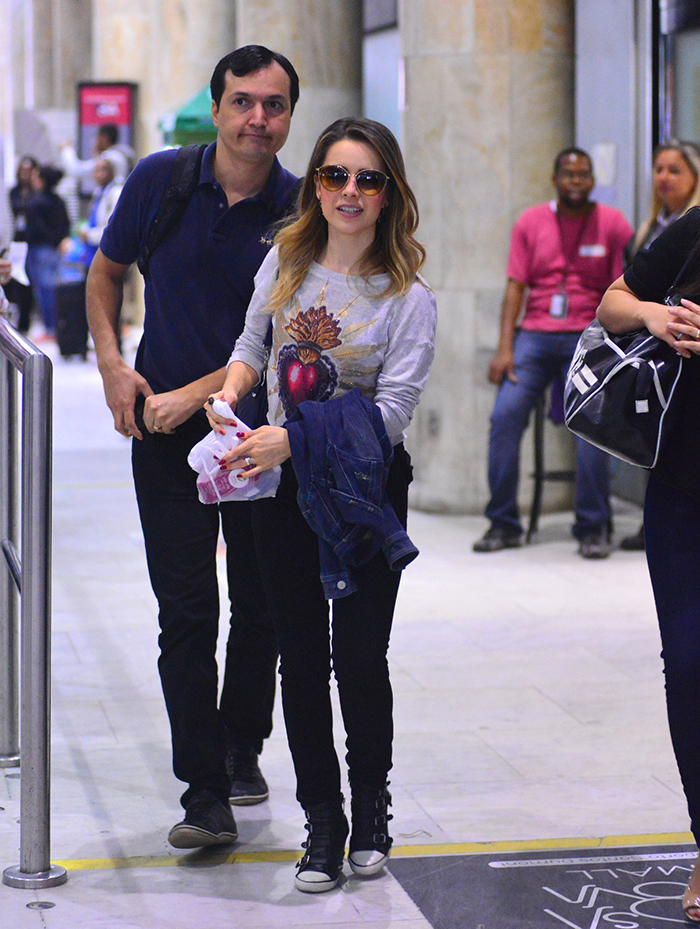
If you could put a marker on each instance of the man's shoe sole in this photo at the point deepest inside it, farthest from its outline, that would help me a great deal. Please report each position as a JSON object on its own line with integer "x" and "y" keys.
{"x": 249, "y": 800}
{"x": 194, "y": 837}
{"x": 511, "y": 543}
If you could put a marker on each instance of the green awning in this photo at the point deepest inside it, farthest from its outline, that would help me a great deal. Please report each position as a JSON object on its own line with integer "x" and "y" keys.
{"x": 191, "y": 123}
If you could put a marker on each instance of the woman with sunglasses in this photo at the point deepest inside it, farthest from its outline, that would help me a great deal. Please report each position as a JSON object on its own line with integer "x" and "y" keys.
{"x": 348, "y": 310}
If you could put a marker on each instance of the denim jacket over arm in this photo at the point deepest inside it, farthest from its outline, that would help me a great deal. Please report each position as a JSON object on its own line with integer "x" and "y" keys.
{"x": 341, "y": 455}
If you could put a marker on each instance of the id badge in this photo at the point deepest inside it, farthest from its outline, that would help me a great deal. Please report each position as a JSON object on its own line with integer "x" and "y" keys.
{"x": 559, "y": 306}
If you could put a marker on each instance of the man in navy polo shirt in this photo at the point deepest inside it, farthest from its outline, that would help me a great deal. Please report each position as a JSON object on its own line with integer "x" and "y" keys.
{"x": 197, "y": 290}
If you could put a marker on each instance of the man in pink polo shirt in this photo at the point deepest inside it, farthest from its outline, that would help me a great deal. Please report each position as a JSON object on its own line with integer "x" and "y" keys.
{"x": 563, "y": 255}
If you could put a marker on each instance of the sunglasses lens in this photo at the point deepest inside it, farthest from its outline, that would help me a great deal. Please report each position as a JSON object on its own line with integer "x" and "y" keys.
{"x": 370, "y": 182}
{"x": 333, "y": 177}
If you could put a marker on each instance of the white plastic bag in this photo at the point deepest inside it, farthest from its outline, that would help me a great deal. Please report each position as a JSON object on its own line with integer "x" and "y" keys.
{"x": 217, "y": 486}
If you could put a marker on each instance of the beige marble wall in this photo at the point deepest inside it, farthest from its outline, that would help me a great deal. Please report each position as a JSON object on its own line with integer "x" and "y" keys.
{"x": 322, "y": 38}
{"x": 489, "y": 102}
{"x": 169, "y": 49}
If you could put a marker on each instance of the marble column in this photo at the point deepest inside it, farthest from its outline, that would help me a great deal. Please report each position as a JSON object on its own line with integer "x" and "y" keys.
{"x": 489, "y": 102}
{"x": 322, "y": 39}
{"x": 168, "y": 49}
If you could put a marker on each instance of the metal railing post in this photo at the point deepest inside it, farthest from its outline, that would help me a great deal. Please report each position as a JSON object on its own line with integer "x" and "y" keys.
{"x": 35, "y": 868}
{"x": 9, "y": 628}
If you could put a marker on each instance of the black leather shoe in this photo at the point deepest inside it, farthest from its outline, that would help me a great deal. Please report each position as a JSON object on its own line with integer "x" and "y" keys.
{"x": 320, "y": 867}
{"x": 634, "y": 543}
{"x": 248, "y": 786}
{"x": 496, "y": 539}
{"x": 207, "y": 821}
{"x": 595, "y": 545}
{"x": 370, "y": 842}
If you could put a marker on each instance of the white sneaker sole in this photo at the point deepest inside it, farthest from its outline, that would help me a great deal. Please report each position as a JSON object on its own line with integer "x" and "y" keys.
{"x": 315, "y": 887}
{"x": 363, "y": 870}
{"x": 194, "y": 837}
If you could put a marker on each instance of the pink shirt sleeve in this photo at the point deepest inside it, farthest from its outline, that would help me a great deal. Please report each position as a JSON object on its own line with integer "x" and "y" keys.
{"x": 519, "y": 256}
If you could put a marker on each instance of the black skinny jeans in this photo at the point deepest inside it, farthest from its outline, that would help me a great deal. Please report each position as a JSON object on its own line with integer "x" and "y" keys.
{"x": 181, "y": 536}
{"x": 289, "y": 562}
{"x": 672, "y": 530}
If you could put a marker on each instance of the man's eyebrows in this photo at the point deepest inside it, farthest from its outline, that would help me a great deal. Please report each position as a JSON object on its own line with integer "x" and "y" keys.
{"x": 249, "y": 96}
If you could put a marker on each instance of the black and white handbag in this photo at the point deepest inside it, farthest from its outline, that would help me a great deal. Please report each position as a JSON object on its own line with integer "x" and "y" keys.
{"x": 619, "y": 393}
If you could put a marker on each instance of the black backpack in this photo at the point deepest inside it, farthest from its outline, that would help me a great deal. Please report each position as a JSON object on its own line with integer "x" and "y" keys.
{"x": 183, "y": 181}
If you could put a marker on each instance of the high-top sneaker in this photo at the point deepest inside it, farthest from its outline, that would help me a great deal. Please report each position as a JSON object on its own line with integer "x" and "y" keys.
{"x": 370, "y": 842}
{"x": 320, "y": 867}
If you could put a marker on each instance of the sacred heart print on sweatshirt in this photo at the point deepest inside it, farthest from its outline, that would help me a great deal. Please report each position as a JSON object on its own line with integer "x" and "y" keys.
{"x": 322, "y": 356}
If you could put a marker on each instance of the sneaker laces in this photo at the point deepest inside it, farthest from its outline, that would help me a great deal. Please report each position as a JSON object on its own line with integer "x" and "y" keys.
{"x": 243, "y": 766}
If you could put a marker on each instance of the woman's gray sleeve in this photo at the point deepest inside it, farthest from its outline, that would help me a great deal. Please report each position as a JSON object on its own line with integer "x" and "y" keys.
{"x": 408, "y": 359}
{"x": 250, "y": 347}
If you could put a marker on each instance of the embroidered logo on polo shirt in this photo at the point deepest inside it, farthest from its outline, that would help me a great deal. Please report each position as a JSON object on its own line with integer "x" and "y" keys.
{"x": 266, "y": 239}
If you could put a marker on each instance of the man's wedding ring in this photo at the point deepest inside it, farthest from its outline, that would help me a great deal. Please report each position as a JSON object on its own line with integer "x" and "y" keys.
{"x": 157, "y": 428}
{"x": 249, "y": 462}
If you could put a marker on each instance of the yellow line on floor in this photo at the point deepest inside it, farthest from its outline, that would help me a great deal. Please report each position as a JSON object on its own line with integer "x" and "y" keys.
{"x": 206, "y": 858}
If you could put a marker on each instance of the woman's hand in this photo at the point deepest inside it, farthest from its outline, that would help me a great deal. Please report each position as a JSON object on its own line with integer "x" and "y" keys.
{"x": 217, "y": 422}
{"x": 265, "y": 448}
{"x": 684, "y": 326}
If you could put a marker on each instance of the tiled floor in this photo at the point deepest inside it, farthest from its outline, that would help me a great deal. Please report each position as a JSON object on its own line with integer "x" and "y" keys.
{"x": 529, "y": 705}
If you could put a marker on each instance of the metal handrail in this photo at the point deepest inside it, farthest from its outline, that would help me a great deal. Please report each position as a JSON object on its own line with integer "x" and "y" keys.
{"x": 31, "y": 575}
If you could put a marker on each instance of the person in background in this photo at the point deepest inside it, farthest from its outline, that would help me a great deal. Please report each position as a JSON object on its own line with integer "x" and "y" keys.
{"x": 107, "y": 145}
{"x": 198, "y": 286}
{"x": 21, "y": 294}
{"x": 672, "y": 503}
{"x": 47, "y": 225}
{"x": 353, "y": 328}
{"x": 563, "y": 255}
{"x": 104, "y": 200}
{"x": 675, "y": 189}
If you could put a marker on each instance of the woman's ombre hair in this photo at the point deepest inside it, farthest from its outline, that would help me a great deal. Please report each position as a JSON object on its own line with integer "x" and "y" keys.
{"x": 690, "y": 154}
{"x": 394, "y": 249}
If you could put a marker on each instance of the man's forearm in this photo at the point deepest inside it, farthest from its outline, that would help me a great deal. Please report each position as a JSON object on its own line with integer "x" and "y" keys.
{"x": 510, "y": 311}
{"x": 105, "y": 293}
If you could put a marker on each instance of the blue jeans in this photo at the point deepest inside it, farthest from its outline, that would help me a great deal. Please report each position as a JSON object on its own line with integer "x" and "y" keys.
{"x": 43, "y": 263}
{"x": 539, "y": 358}
{"x": 672, "y": 534}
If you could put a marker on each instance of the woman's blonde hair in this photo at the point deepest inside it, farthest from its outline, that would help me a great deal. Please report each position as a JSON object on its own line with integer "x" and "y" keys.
{"x": 394, "y": 249}
{"x": 690, "y": 154}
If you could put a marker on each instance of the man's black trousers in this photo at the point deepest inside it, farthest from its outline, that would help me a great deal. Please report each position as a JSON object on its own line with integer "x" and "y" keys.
{"x": 181, "y": 536}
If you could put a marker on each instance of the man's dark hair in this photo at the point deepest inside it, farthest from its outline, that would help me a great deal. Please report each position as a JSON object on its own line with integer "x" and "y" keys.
{"x": 565, "y": 152}
{"x": 110, "y": 132}
{"x": 246, "y": 60}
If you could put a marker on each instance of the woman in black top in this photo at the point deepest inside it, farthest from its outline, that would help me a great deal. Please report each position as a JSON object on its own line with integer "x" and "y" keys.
{"x": 46, "y": 227}
{"x": 672, "y": 508}
{"x": 21, "y": 294}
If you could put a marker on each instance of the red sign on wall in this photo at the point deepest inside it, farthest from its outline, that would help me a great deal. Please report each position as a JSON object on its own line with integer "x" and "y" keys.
{"x": 106, "y": 103}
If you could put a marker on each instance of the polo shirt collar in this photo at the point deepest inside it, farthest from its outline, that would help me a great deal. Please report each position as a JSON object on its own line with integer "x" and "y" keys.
{"x": 272, "y": 194}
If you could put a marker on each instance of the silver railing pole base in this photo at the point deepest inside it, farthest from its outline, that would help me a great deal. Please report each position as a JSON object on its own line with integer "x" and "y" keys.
{"x": 13, "y": 877}
{"x": 9, "y": 761}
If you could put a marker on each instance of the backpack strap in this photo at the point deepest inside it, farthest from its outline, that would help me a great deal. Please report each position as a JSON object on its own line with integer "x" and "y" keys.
{"x": 183, "y": 180}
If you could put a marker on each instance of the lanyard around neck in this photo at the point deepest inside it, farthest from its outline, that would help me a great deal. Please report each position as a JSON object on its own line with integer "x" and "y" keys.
{"x": 569, "y": 262}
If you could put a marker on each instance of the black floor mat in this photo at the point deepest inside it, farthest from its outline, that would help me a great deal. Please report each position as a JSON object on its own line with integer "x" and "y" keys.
{"x": 602, "y": 888}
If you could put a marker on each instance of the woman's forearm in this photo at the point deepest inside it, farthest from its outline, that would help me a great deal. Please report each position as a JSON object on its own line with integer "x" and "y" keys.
{"x": 622, "y": 311}
{"x": 240, "y": 379}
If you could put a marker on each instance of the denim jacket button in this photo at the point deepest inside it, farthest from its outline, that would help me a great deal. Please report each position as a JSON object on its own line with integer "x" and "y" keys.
{"x": 341, "y": 585}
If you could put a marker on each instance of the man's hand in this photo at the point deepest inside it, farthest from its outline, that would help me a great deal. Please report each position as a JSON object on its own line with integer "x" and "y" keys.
{"x": 165, "y": 412}
{"x": 122, "y": 385}
{"x": 502, "y": 365}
